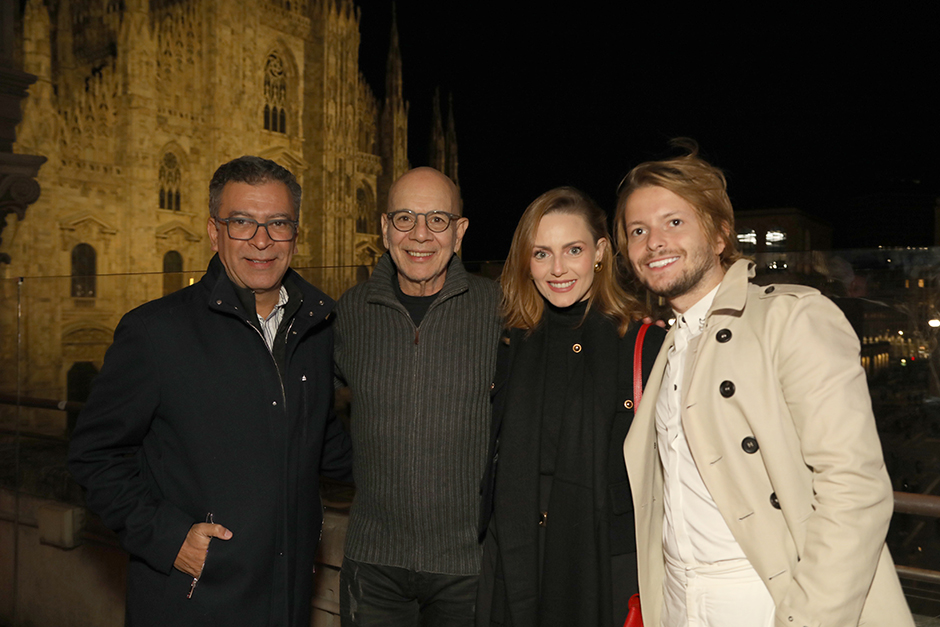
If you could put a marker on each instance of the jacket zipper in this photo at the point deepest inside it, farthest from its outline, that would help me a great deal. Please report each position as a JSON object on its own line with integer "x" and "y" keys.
{"x": 280, "y": 379}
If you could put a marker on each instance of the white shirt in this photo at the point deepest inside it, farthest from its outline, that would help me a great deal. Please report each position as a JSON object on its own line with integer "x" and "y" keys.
{"x": 270, "y": 324}
{"x": 693, "y": 530}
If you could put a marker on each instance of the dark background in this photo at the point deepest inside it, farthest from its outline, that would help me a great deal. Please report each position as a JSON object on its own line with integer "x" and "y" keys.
{"x": 832, "y": 111}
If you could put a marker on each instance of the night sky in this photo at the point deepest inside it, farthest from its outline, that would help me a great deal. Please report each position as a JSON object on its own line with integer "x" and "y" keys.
{"x": 833, "y": 113}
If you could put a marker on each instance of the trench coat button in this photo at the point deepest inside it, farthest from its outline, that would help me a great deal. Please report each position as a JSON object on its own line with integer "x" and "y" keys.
{"x": 543, "y": 519}
{"x": 769, "y": 289}
{"x": 723, "y": 336}
{"x": 774, "y": 501}
{"x": 576, "y": 348}
{"x": 628, "y": 404}
{"x": 310, "y": 314}
{"x": 749, "y": 444}
{"x": 218, "y": 302}
{"x": 492, "y": 385}
{"x": 321, "y": 303}
{"x": 274, "y": 403}
{"x": 727, "y": 389}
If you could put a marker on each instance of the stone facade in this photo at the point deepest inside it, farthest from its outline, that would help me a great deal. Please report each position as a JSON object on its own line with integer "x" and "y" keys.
{"x": 136, "y": 103}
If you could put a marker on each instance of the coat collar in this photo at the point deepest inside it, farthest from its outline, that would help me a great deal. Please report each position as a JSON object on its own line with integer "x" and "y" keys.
{"x": 732, "y": 294}
{"x": 315, "y": 306}
{"x": 380, "y": 290}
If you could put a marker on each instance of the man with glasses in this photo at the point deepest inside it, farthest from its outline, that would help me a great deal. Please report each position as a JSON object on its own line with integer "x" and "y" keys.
{"x": 205, "y": 433}
{"x": 416, "y": 344}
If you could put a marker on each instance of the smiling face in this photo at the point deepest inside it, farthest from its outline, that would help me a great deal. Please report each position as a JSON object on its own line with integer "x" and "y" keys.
{"x": 668, "y": 247}
{"x": 563, "y": 258}
{"x": 420, "y": 255}
{"x": 259, "y": 263}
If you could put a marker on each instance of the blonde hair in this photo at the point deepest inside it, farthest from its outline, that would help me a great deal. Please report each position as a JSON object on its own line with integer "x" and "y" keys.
{"x": 522, "y": 305}
{"x": 697, "y": 182}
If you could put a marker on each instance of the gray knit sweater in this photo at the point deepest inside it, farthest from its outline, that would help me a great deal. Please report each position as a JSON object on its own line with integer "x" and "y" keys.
{"x": 420, "y": 419}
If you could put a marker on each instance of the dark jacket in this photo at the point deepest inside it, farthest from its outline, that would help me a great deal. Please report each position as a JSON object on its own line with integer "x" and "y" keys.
{"x": 190, "y": 415}
{"x": 590, "y": 513}
{"x": 420, "y": 418}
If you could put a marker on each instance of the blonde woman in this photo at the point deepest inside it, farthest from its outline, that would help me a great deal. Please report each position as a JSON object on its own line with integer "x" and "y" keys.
{"x": 557, "y": 512}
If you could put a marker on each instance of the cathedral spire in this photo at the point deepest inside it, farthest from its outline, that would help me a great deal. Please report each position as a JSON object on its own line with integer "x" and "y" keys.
{"x": 393, "y": 137}
{"x": 450, "y": 141}
{"x": 437, "y": 155}
{"x": 393, "y": 79}
{"x": 37, "y": 52}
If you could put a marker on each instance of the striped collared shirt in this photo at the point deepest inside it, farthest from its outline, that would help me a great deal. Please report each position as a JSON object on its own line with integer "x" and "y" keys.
{"x": 270, "y": 324}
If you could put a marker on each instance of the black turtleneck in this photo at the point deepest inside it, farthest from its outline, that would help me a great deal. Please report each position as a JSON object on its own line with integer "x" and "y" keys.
{"x": 417, "y": 306}
{"x": 562, "y": 331}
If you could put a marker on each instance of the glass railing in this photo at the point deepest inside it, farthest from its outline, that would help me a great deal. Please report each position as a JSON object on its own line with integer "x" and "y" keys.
{"x": 54, "y": 332}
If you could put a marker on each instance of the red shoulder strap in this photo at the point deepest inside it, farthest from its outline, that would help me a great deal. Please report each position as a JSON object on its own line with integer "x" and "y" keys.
{"x": 638, "y": 367}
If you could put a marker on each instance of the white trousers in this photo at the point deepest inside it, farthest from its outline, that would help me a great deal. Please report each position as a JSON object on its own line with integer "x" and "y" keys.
{"x": 725, "y": 594}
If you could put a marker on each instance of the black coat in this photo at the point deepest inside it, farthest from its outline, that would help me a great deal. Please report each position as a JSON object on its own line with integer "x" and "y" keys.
{"x": 590, "y": 515}
{"x": 188, "y": 416}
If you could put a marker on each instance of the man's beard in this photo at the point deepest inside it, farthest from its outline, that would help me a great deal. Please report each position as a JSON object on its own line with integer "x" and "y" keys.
{"x": 687, "y": 280}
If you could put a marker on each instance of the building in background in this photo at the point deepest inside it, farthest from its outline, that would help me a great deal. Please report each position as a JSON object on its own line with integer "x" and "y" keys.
{"x": 766, "y": 234}
{"x": 135, "y": 105}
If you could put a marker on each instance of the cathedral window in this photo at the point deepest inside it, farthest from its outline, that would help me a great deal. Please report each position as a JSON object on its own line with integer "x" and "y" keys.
{"x": 78, "y": 387}
{"x": 367, "y": 220}
{"x": 170, "y": 178}
{"x": 84, "y": 269}
{"x": 275, "y": 95}
{"x": 172, "y": 272}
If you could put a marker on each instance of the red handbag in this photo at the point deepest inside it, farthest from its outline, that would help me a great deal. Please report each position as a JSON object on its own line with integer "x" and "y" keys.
{"x": 634, "y": 617}
{"x": 638, "y": 366}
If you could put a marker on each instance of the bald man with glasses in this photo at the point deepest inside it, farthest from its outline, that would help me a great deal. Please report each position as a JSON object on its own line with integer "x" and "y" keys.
{"x": 416, "y": 344}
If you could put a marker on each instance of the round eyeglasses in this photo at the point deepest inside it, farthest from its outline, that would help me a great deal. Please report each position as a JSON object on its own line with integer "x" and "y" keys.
{"x": 405, "y": 220}
{"x": 279, "y": 229}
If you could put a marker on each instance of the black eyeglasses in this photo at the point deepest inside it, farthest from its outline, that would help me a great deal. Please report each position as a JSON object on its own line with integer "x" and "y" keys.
{"x": 279, "y": 229}
{"x": 405, "y": 220}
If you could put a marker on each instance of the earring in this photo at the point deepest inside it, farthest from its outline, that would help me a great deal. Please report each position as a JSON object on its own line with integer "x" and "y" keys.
{"x": 598, "y": 266}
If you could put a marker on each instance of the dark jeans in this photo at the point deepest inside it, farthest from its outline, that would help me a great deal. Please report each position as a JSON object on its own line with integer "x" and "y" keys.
{"x": 387, "y": 596}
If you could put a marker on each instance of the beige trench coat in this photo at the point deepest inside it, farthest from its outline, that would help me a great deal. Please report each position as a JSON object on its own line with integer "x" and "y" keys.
{"x": 810, "y": 503}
